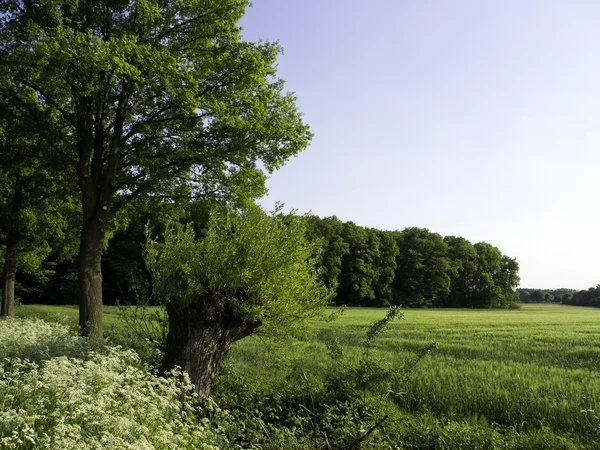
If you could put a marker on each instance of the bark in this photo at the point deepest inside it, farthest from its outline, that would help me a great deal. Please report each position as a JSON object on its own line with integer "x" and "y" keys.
{"x": 10, "y": 270}
{"x": 200, "y": 337}
{"x": 12, "y": 243}
{"x": 90, "y": 279}
{"x": 96, "y": 170}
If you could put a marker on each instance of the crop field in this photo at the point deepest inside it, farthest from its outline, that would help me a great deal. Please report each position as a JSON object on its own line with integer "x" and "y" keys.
{"x": 537, "y": 368}
{"x": 533, "y": 370}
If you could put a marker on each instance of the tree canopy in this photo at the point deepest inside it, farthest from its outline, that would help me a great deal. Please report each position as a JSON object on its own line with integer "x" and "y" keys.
{"x": 37, "y": 199}
{"x": 146, "y": 97}
{"x": 246, "y": 271}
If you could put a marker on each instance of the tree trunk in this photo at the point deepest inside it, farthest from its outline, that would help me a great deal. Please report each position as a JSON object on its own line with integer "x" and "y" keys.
{"x": 10, "y": 270}
{"x": 90, "y": 279}
{"x": 200, "y": 337}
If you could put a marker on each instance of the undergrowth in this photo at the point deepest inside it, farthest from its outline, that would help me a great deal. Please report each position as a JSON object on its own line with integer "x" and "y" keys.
{"x": 59, "y": 391}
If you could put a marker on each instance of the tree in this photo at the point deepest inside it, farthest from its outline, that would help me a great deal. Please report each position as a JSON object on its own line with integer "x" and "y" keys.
{"x": 463, "y": 264}
{"x": 358, "y": 274}
{"x": 147, "y": 95}
{"x": 328, "y": 231}
{"x": 489, "y": 260}
{"x": 536, "y": 296}
{"x": 496, "y": 278}
{"x": 249, "y": 270}
{"x": 422, "y": 275}
{"x": 36, "y": 199}
{"x": 525, "y": 296}
{"x": 385, "y": 263}
{"x": 507, "y": 279}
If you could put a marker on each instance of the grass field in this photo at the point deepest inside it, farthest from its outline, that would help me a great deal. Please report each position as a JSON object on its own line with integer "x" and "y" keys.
{"x": 533, "y": 369}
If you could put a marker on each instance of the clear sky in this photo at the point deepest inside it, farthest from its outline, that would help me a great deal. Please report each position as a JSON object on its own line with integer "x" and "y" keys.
{"x": 474, "y": 118}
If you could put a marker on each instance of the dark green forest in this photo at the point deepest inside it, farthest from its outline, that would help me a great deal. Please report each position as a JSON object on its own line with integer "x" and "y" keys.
{"x": 413, "y": 268}
{"x": 584, "y": 297}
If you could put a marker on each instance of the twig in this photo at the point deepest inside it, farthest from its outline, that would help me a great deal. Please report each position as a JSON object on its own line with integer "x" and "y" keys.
{"x": 357, "y": 441}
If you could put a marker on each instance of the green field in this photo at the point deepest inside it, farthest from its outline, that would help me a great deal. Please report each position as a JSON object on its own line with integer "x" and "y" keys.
{"x": 532, "y": 371}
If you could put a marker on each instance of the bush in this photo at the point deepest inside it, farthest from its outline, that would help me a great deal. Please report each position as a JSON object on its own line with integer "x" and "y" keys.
{"x": 57, "y": 390}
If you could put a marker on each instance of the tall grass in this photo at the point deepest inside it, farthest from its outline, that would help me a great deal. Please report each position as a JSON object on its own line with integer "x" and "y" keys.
{"x": 527, "y": 378}
{"x": 531, "y": 370}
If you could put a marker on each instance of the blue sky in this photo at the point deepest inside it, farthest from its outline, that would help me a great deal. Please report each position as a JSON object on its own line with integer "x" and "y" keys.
{"x": 476, "y": 118}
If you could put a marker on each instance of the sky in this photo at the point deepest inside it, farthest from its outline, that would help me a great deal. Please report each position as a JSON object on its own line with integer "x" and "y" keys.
{"x": 473, "y": 118}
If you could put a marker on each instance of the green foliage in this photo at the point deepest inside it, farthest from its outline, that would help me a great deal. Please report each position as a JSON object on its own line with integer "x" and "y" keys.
{"x": 422, "y": 275}
{"x": 495, "y": 279}
{"x": 328, "y": 231}
{"x": 366, "y": 269}
{"x": 262, "y": 263}
{"x": 516, "y": 379}
{"x": 463, "y": 267}
{"x": 38, "y": 207}
{"x": 412, "y": 268}
{"x": 163, "y": 90}
{"x": 589, "y": 297}
{"x": 358, "y": 273}
{"x": 60, "y": 391}
{"x": 386, "y": 264}
{"x": 523, "y": 379}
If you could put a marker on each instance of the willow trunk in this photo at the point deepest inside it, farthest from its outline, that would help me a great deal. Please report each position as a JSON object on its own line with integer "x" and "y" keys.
{"x": 200, "y": 339}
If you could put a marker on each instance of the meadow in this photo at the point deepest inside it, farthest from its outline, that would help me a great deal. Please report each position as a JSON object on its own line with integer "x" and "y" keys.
{"x": 526, "y": 378}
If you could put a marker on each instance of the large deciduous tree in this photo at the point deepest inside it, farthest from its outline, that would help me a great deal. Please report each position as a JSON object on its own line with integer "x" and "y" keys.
{"x": 495, "y": 279}
{"x": 36, "y": 198}
{"x": 462, "y": 256}
{"x": 422, "y": 274}
{"x": 358, "y": 275}
{"x": 247, "y": 270}
{"x": 146, "y": 95}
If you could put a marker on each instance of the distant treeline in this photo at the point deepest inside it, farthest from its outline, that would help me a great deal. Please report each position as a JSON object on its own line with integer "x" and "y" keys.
{"x": 413, "y": 267}
{"x": 585, "y": 297}
{"x": 589, "y": 297}
{"x": 367, "y": 267}
{"x": 527, "y": 295}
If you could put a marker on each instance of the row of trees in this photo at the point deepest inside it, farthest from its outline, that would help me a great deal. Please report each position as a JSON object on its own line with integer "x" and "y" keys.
{"x": 585, "y": 297}
{"x": 544, "y": 295}
{"x": 413, "y": 267}
{"x": 363, "y": 266}
{"x": 588, "y": 297}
